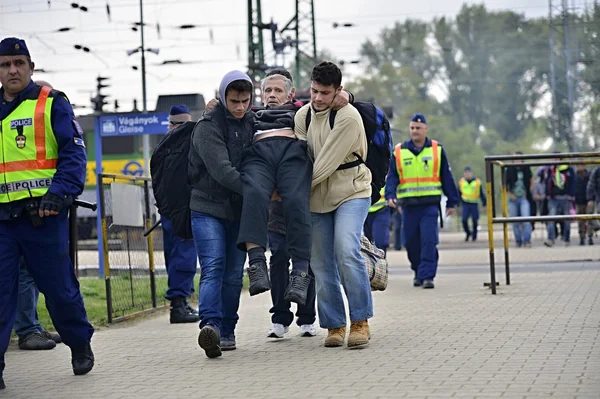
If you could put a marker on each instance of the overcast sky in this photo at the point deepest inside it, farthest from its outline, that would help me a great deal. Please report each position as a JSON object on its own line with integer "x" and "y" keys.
{"x": 75, "y": 71}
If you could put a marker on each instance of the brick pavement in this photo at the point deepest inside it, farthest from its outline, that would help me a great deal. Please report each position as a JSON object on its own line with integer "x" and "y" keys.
{"x": 538, "y": 338}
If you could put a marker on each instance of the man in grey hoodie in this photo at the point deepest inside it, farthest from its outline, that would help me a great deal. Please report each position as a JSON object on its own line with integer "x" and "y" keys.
{"x": 216, "y": 203}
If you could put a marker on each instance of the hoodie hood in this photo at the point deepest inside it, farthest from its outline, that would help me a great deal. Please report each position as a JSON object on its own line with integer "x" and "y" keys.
{"x": 226, "y": 81}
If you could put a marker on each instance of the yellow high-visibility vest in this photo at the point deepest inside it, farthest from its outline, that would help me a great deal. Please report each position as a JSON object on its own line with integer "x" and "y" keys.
{"x": 419, "y": 174}
{"x": 379, "y": 205}
{"x": 470, "y": 191}
{"x": 29, "y": 150}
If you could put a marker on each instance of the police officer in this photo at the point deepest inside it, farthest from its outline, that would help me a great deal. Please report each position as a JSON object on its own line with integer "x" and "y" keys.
{"x": 471, "y": 193}
{"x": 420, "y": 167}
{"x": 180, "y": 254}
{"x": 42, "y": 170}
{"x": 377, "y": 225}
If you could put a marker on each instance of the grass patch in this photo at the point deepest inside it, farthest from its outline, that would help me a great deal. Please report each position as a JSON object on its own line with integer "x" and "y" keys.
{"x": 94, "y": 297}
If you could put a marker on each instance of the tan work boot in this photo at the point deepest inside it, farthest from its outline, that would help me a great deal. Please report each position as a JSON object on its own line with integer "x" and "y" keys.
{"x": 359, "y": 334}
{"x": 335, "y": 337}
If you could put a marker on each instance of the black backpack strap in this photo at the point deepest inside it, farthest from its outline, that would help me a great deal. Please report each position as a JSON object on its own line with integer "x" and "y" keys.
{"x": 331, "y": 118}
{"x": 352, "y": 164}
{"x": 307, "y": 120}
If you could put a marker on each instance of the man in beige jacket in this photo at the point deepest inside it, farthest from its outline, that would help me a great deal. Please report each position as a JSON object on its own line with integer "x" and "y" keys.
{"x": 339, "y": 204}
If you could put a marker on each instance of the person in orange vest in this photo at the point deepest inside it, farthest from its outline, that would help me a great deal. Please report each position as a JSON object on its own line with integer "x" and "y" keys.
{"x": 471, "y": 193}
{"x": 419, "y": 175}
{"x": 43, "y": 170}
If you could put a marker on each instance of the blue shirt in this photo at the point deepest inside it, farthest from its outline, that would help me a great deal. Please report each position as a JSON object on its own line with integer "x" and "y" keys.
{"x": 448, "y": 186}
{"x": 69, "y": 179}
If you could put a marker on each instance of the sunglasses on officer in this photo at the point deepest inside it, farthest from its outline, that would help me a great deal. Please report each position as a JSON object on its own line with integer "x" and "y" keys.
{"x": 176, "y": 123}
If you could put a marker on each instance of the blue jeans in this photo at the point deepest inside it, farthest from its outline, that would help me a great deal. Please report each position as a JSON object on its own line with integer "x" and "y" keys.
{"x": 522, "y": 231}
{"x": 559, "y": 207}
{"x": 279, "y": 268}
{"x": 180, "y": 261}
{"x": 221, "y": 271}
{"x": 336, "y": 258}
{"x": 26, "y": 320}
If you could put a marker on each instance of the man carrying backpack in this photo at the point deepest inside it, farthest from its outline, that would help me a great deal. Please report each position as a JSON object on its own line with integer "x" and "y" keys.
{"x": 420, "y": 168}
{"x": 168, "y": 167}
{"x": 218, "y": 141}
{"x": 339, "y": 204}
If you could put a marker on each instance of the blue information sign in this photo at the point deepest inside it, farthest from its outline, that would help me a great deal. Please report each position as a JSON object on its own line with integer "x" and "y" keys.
{"x": 133, "y": 124}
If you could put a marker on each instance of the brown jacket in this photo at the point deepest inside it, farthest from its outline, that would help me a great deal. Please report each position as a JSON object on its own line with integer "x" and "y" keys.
{"x": 330, "y": 149}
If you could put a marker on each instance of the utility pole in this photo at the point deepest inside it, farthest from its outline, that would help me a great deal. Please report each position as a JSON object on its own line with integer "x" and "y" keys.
{"x": 563, "y": 69}
{"x": 302, "y": 24}
{"x": 145, "y": 137}
{"x": 306, "y": 36}
{"x": 256, "y": 52}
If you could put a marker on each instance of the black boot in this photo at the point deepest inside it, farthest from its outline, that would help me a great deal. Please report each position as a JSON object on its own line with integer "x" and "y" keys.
{"x": 259, "y": 278}
{"x": 82, "y": 360}
{"x": 209, "y": 339}
{"x": 297, "y": 288}
{"x": 181, "y": 312}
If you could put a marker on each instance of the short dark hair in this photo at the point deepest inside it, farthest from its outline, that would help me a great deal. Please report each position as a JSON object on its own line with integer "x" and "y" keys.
{"x": 327, "y": 74}
{"x": 241, "y": 86}
{"x": 280, "y": 71}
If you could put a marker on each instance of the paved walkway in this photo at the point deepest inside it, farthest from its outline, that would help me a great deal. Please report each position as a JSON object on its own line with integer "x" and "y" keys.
{"x": 537, "y": 338}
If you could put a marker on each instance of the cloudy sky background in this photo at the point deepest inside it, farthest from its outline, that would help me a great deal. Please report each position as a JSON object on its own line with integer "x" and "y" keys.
{"x": 74, "y": 71}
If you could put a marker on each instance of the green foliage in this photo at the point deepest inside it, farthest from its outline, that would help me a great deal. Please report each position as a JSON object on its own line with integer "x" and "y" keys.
{"x": 482, "y": 80}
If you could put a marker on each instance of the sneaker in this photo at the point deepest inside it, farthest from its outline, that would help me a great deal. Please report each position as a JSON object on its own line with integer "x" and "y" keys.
{"x": 2, "y": 386}
{"x": 82, "y": 360}
{"x": 335, "y": 337}
{"x": 308, "y": 330}
{"x": 35, "y": 342}
{"x": 228, "y": 342}
{"x": 297, "y": 288}
{"x": 359, "y": 333}
{"x": 417, "y": 282}
{"x": 277, "y": 331}
{"x": 428, "y": 284}
{"x": 259, "y": 278}
{"x": 590, "y": 241}
{"x": 582, "y": 241}
{"x": 209, "y": 339}
{"x": 53, "y": 336}
{"x": 549, "y": 243}
{"x": 527, "y": 244}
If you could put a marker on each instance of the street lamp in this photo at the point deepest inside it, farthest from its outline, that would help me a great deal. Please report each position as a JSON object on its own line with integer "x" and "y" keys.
{"x": 143, "y": 49}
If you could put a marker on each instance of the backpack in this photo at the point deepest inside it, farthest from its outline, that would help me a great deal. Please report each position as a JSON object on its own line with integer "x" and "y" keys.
{"x": 169, "y": 171}
{"x": 379, "y": 144}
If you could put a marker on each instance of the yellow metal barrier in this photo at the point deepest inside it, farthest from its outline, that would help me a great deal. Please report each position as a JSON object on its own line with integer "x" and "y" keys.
{"x": 126, "y": 210}
{"x": 503, "y": 161}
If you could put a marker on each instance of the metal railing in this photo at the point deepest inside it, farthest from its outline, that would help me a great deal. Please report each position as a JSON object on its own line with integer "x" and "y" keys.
{"x": 126, "y": 212}
{"x": 506, "y": 161}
